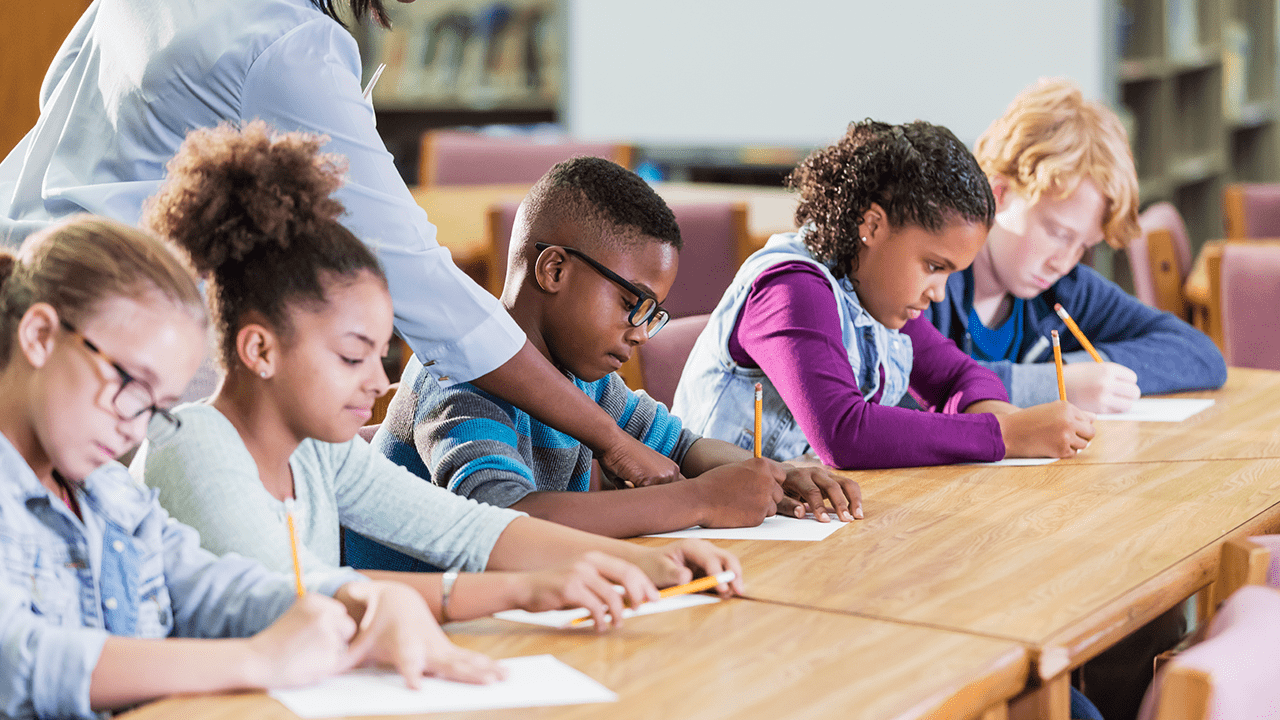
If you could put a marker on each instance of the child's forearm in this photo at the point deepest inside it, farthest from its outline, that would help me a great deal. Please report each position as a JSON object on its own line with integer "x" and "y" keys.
{"x": 995, "y": 407}
{"x": 532, "y": 544}
{"x": 620, "y": 513}
{"x": 474, "y": 594}
{"x": 134, "y": 670}
{"x": 708, "y": 453}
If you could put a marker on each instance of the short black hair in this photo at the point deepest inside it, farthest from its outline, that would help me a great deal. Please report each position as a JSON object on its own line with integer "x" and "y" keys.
{"x": 359, "y": 9}
{"x": 919, "y": 173}
{"x": 592, "y": 191}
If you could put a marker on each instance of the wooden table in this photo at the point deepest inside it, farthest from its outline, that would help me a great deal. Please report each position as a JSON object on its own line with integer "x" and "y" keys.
{"x": 459, "y": 212}
{"x": 736, "y": 659}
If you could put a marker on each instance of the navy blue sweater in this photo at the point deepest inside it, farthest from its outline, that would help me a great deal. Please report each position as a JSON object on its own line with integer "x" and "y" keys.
{"x": 1167, "y": 354}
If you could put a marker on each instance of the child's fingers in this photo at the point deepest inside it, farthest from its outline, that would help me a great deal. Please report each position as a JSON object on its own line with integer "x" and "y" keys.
{"x": 461, "y": 665}
{"x": 604, "y": 603}
{"x": 792, "y": 507}
{"x": 637, "y": 586}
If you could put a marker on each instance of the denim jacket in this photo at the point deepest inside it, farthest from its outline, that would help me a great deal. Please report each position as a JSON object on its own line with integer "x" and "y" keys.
{"x": 716, "y": 396}
{"x": 126, "y": 569}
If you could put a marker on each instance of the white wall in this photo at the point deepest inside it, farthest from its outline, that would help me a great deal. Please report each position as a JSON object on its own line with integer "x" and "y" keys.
{"x": 796, "y": 72}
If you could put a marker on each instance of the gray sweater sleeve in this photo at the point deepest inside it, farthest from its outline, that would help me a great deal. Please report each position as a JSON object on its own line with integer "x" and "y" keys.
{"x": 383, "y": 501}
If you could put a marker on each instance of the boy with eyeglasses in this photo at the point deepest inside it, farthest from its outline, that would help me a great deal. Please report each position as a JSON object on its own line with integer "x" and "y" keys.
{"x": 593, "y": 252}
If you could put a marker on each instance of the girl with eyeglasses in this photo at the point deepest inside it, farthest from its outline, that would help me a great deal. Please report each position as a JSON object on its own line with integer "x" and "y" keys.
{"x": 104, "y": 600}
{"x": 828, "y": 319}
{"x": 303, "y": 317}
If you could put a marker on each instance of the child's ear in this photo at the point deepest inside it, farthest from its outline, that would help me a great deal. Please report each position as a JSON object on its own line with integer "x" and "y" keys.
{"x": 1002, "y": 190}
{"x": 550, "y": 269}
{"x": 36, "y": 330}
{"x": 874, "y": 226}
{"x": 258, "y": 349}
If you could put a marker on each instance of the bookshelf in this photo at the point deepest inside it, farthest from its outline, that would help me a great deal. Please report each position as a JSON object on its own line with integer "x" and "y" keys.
{"x": 1196, "y": 84}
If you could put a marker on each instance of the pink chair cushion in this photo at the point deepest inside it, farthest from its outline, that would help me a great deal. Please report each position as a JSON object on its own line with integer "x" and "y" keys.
{"x": 708, "y": 261}
{"x": 1240, "y": 655}
{"x": 1160, "y": 216}
{"x": 368, "y": 431}
{"x": 462, "y": 158}
{"x": 1272, "y": 543}
{"x": 1261, "y": 210}
{"x": 662, "y": 359}
{"x": 502, "y": 238}
{"x": 1250, "y": 296}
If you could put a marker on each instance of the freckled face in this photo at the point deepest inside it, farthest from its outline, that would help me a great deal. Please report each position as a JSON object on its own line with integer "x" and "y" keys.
{"x": 900, "y": 274}
{"x": 586, "y": 324}
{"x": 1032, "y": 246}
{"x": 331, "y": 364}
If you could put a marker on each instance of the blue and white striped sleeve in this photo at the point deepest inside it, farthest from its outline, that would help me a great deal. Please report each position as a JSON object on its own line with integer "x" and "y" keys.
{"x": 642, "y": 417}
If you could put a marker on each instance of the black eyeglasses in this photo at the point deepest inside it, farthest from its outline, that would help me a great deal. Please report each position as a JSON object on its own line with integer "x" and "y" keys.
{"x": 646, "y": 312}
{"x": 134, "y": 398}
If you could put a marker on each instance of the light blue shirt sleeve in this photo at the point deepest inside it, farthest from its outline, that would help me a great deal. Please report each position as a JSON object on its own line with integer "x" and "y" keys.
{"x": 310, "y": 80}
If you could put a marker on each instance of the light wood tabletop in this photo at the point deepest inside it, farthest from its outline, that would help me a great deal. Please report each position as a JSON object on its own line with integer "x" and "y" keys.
{"x": 736, "y": 659}
{"x": 460, "y": 212}
{"x": 1243, "y": 423}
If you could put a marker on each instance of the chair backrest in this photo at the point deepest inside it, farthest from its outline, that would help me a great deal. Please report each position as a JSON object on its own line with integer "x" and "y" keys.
{"x": 714, "y": 236}
{"x": 451, "y": 157}
{"x": 501, "y": 219}
{"x": 1233, "y": 674}
{"x": 381, "y": 404}
{"x": 1251, "y": 210}
{"x": 1250, "y": 294}
{"x": 1160, "y": 258}
{"x": 661, "y": 360}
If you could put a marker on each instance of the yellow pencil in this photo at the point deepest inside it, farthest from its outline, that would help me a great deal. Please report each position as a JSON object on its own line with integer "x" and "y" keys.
{"x": 1075, "y": 330}
{"x": 293, "y": 544}
{"x": 759, "y": 403}
{"x": 1057, "y": 362}
{"x": 699, "y": 585}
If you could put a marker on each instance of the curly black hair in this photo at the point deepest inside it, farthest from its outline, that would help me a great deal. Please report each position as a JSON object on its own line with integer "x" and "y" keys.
{"x": 598, "y": 193}
{"x": 919, "y": 173}
{"x": 359, "y": 9}
{"x": 253, "y": 210}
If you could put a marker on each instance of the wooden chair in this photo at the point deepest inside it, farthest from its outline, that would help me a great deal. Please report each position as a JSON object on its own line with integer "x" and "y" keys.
{"x": 1251, "y": 210}
{"x": 380, "y": 405}
{"x": 453, "y": 157}
{"x": 1160, "y": 259}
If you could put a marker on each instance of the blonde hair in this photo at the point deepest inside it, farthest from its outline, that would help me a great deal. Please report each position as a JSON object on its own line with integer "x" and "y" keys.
{"x": 1050, "y": 138}
{"x": 78, "y": 263}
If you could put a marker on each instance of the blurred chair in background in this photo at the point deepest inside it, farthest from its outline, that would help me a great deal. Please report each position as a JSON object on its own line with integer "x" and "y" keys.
{"x": 1160, "y": 259}
{"x": 1250, "y": 295}
{"x": 660, "y": 362}
{"x": 454, "y": 157}
{"x": 1251, "y": 210}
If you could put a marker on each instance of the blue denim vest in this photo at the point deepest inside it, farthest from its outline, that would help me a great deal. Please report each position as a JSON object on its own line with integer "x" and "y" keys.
{"x": 716, "y": 396}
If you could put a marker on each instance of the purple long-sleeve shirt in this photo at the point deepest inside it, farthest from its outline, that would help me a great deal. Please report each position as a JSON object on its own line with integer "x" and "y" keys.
{"x": 790, "y": 329}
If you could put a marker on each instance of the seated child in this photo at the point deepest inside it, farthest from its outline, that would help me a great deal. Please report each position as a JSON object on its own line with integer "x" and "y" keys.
{"x": 593, "y": 252}
{"x": 303, "y": 317}
{"x": 1064, "y": 181}
{"x": 101, "y": 328}
{"x": 828, "y": 319}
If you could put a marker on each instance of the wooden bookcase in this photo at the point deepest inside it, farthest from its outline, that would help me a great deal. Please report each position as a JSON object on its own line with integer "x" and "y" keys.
{"x": 1196, "y": 82}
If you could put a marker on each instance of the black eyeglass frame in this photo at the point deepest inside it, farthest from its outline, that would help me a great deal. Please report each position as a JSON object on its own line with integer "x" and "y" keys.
{"x": 173, "y": 423}
{"x": 655, "y": 318}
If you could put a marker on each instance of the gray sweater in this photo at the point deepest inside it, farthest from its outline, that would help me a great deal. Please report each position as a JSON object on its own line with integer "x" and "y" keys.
{"x": 208, "y": 480}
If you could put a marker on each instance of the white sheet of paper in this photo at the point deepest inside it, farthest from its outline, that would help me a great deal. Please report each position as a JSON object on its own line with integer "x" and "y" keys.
{"x": 778, "y": 527}
{"x": 1161, "y": 410}
{"x": 536, "y": 680}
{"x": 1018, "y": 462}
{"x": 562, "y": 618}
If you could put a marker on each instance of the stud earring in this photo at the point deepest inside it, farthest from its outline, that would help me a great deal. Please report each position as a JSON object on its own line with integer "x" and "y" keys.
{"x": 263, "y": 373}
{"x": 864, "y": 241}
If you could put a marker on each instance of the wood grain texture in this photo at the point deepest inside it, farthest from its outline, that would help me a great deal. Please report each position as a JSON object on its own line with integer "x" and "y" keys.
{"x": 1244, "y": 422}
{"x": 1046, "y": 555}
{"x": 737, "y": 659}
{"x": 31, "y": 34}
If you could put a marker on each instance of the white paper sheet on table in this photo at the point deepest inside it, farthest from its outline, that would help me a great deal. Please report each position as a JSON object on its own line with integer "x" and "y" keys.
{"x": 1018, "y": 462}
{"x": 562, "y": 618}
{"x": 778, "y": 527}
{"x": 1161, "y": 410}
{"x": 536, "y": 680}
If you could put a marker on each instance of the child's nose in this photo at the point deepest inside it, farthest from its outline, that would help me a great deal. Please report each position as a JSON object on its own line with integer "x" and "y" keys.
{"x": 637, "y": 335}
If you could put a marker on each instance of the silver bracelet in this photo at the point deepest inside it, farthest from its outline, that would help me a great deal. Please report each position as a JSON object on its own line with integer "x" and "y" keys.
{"x": 447, "y": 580}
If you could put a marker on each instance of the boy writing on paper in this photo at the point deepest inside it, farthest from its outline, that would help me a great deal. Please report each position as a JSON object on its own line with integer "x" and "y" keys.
{"x": 1064, "y": 181}
{"x": 593, "y": 252}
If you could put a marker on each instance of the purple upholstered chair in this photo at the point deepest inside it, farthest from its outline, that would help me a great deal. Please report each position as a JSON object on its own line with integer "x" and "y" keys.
{"x": 714, "y": 235}
{"x": 1160, "y": 258}
{"x": 451, "y": 157}
{"x": 662, "y": 358}
{"x": 1250, "y": 296}
{"x": 1251, "y": 210}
